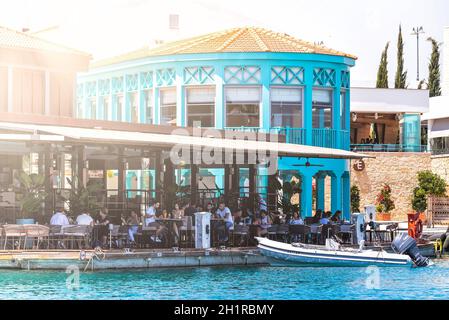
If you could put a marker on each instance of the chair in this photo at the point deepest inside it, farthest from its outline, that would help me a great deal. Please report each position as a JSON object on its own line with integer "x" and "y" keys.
{"x": 147, "y": 233}
{"x": 299, "y": 232}
{"x": 36, "y": 233}
{"x": 282, "y": 232}
{"x": 242, "y": 232}
{"x": 272, "y": 232}
{"x": 187, "y": 230}
{"x": 76, "y": 232}
{"x": 316, "y": 231}
{"x": 13, "y": 232}
{"x": 347, "y": 230}
{"x": 55, "y": 235}
{"x": 309, "y": 221}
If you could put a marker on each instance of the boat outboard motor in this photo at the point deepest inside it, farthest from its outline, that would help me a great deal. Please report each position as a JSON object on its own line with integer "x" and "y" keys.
{"x": 404, "y": 244}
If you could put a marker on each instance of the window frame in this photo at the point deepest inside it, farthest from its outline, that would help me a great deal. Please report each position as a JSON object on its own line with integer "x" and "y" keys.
{"x": 226, "y": 102}
{"x": 160, "y": 105}
{"x": 214, "y": 107}
{"x": 302, "y": 88}
{"x": 332, "y": 106}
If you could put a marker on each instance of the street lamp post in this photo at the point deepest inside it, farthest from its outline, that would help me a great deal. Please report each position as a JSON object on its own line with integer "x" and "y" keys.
{"x": 416, "y": 32}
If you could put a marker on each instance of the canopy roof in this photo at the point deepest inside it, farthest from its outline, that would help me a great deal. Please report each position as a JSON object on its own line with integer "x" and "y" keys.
{"x": 129, "y": 138}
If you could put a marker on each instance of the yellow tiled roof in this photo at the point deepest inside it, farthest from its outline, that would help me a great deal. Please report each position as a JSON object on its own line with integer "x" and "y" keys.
{"x": 247, "y": 39}
{"x": 10, "y": 38}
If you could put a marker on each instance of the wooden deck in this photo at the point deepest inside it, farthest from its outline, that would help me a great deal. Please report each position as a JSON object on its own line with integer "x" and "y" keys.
{"x": 91, "y": 260}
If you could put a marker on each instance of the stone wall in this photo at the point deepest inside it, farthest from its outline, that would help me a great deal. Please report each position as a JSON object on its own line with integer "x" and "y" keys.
{"x": 440, "y": 166}
{"x": 399, "y": 170}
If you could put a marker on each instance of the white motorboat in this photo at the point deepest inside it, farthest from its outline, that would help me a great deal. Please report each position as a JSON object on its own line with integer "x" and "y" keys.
{"x": 332, "y": 254}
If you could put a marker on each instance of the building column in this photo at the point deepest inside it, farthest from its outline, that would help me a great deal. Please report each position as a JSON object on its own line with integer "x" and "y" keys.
{"x": 121, "y": 185}
{"x": 194, "y": 183}
{"x": 308, "y": 89}
{"x": 336, "y": 191}
{"x": 346, "y": 185}
{"x": 266, "y": 105}
{"x": 219, "y": 98}
{"x": 306, "y": 194}
{"x": 320, "y": 191}
{"x": 336, "y": 118}
{"x": 252, "y": 187}
{"x": 180, "y": 97}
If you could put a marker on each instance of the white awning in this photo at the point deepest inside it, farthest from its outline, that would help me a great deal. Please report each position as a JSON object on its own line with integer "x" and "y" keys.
{"x": 178, "y": 138}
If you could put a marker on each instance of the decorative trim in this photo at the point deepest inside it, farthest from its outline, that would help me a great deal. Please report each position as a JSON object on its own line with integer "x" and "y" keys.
{"x": 242, "y": 75}
{"x": 199, "y": 75}
{"x": 165, "y": 77}
{"x": 345, "y": 79}
{"x": 104, "y": 87}
{"x": 146, "y": 80}
{"x": 117, "y": 84}
{"x": 287, "y": 75}
{"x": 324, "y": 77}
{"x": 91, "y": 89}
{"x": 132, "y": 82}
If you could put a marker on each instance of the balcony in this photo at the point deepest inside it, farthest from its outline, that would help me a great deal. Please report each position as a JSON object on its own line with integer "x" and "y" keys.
{"x": 326, "y": 138}
{"x": 388, "y": 148}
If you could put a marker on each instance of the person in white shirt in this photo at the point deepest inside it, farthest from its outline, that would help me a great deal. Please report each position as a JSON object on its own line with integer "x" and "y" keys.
{"x": 224, "y": 213}
{"x": 59, "y": 218}
{"x": 150, "y": 221}
{"x": 84, "y": 219}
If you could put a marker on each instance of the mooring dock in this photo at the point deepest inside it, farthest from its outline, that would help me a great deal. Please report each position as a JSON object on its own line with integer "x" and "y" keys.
{"x": 91, "y": 260}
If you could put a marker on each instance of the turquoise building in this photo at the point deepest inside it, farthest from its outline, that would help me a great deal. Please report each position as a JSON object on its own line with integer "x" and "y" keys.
{"x": 244, "y": 79}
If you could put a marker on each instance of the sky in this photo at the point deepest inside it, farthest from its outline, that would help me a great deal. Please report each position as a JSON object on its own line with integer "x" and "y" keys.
{"x": 361, "y": 27}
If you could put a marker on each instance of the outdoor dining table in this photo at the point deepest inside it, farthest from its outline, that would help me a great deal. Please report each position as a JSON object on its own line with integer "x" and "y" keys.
{"x": 170, "y": 223}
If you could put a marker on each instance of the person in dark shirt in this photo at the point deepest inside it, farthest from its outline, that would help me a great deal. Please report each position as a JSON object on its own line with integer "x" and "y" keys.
{"x": 190, "y": 210}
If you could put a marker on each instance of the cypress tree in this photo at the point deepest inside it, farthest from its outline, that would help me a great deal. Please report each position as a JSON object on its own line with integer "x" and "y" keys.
{"x": 434, "y": 70}
{"x": 382, "y": 73}
{"x": 401, "y": 75}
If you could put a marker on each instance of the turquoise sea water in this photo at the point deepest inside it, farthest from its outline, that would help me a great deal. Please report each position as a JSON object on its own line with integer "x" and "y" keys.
{"x": 233, "y": 283}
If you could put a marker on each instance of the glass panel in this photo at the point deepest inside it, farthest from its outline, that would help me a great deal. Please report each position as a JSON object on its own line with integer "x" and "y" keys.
{"x": 286, "y": 107}
{"x": 343, "y": 110}
{"x": 134, "y": 106}
{"x": 201, "y": 106}
{"x": 168, "y": 106}
{"x": 149, "y": 106}
{"x": 105, "y": 108}
{"x": 242, "y": 106}
{"x": 93, "y": 109}
{"x": 120, "y": 111}
{"x": 322, "y": 108}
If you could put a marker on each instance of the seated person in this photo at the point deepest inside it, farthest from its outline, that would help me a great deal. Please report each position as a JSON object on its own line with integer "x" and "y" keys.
{"x": 296, "y": 219}
{"x": 238, "y": 216}
{"x": 317, "y": 217}
{"x": 103, "y": 222}
{"x": 133, "y": 222}
{"x": 59, "y": 218}
{"x": 336, "y": 217}
{"x": 150, "y": 221}
{"x": 263, "y": 223}
{"x": 224, "y": 213}
{"x": 84, "y": 219}
{"x": 325, "y": 218}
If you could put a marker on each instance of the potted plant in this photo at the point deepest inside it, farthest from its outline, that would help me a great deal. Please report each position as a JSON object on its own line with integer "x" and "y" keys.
{"x": 355, "y": 199}
{"x": 384, "y": 204}
{"x": 429, "y": 184}
{"x": 31, "y": 195}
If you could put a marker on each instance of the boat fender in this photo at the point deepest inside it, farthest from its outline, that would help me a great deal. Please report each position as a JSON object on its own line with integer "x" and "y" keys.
{"x": 82, "y": 255}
